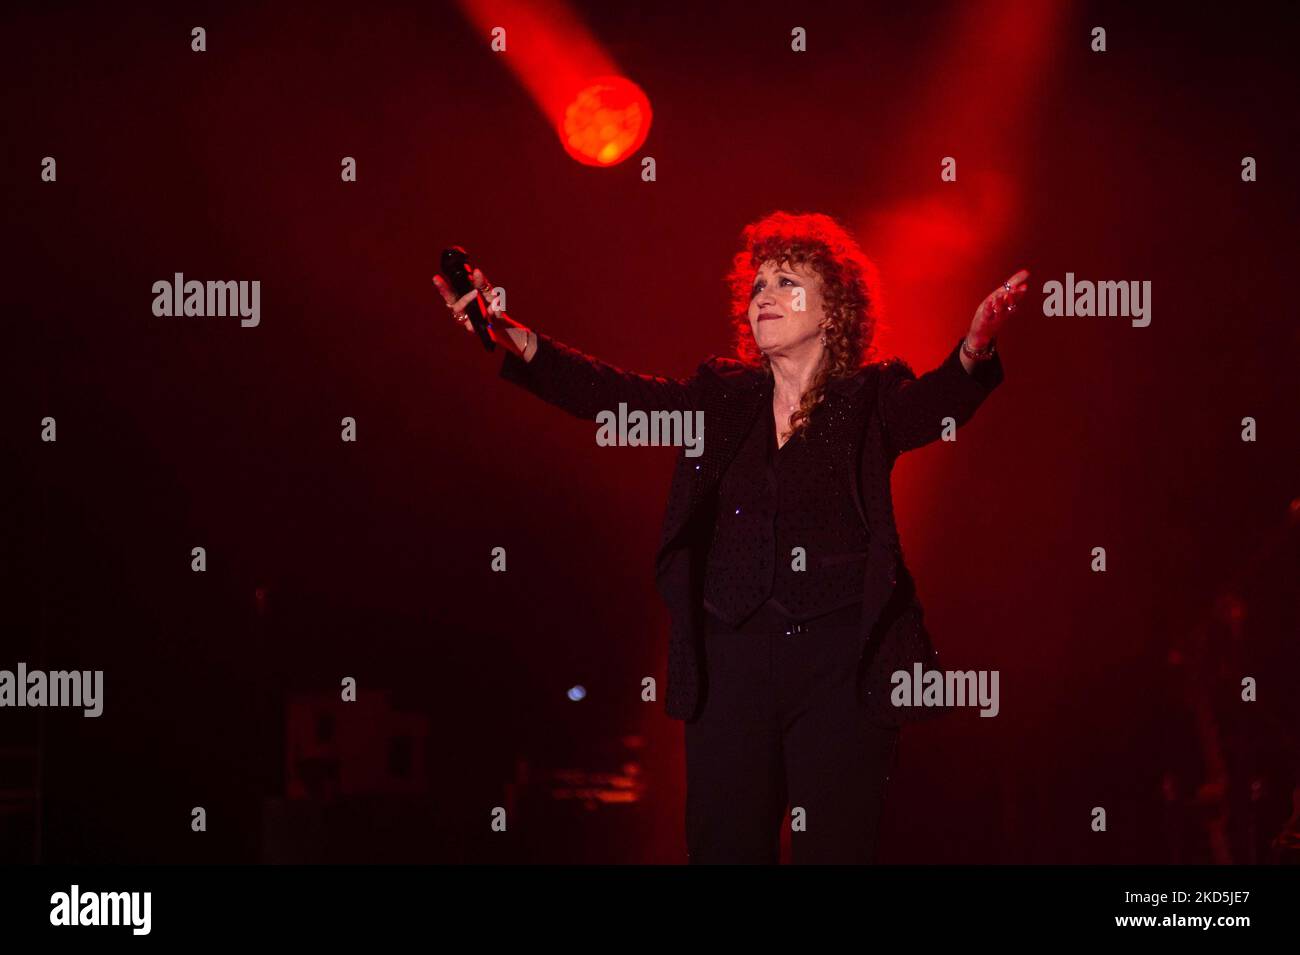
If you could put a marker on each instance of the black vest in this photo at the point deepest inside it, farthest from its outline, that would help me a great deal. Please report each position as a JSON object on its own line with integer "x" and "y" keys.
{"x": 771, "y": 500}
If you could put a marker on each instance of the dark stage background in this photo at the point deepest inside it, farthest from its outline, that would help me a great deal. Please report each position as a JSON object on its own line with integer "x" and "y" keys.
{"x": 370, "y": 559}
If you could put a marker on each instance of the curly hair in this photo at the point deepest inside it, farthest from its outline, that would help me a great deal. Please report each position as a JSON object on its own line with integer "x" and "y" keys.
{"x": 849, "y": 294}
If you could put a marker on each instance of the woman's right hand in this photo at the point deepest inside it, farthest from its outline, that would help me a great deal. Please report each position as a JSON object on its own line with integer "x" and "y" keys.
{"x": 506, "y": 332}
{"x": 458, "y": 305}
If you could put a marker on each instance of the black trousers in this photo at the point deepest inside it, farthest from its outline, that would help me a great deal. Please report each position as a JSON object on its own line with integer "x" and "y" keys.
{"x": 782, "y": 726}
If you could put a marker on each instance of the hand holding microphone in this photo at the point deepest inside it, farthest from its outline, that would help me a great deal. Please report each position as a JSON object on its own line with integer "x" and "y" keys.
{"x": 467, "y": 292}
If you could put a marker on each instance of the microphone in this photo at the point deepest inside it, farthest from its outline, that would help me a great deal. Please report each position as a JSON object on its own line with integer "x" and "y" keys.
{"x": 456, "y": 269}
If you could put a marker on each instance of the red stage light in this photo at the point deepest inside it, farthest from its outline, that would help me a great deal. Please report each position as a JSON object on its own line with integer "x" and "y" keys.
{"x": 606, "y": 121}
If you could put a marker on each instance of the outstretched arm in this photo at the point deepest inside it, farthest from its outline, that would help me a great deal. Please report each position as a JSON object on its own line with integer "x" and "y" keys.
{"x": 914, "y": 409}
{"x": 583, "y": 385}
{"x": 578, "y": 383}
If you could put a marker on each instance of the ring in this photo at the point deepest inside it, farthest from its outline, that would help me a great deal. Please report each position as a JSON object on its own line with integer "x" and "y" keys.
{"x": 1007, "y": 286}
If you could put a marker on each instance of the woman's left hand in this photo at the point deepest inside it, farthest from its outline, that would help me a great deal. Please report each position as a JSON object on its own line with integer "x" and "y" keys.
{"x": 994, "y": 311}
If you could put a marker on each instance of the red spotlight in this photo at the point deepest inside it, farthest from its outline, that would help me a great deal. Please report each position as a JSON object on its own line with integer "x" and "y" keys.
{"x": 606, "y": 121}
{"x": 600, "y": 116}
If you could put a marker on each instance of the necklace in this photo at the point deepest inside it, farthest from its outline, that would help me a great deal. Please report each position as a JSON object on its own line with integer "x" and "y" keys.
{"x": 786, "y": 412}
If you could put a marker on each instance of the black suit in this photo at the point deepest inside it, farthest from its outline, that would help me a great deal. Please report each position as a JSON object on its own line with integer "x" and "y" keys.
{"x": 903, "y": 412}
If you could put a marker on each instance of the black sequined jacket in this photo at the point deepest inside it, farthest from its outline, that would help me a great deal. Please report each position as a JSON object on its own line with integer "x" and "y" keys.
{"x": 899, "y": 412}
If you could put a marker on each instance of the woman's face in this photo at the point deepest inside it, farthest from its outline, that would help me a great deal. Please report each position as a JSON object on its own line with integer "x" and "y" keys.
{"x": 780, "y": 321}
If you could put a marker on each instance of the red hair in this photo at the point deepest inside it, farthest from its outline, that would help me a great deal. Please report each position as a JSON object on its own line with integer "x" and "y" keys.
{"x": 849, "y": 297}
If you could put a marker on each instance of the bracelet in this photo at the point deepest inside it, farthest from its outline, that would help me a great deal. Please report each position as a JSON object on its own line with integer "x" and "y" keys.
{"x": 983, "y": 355}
